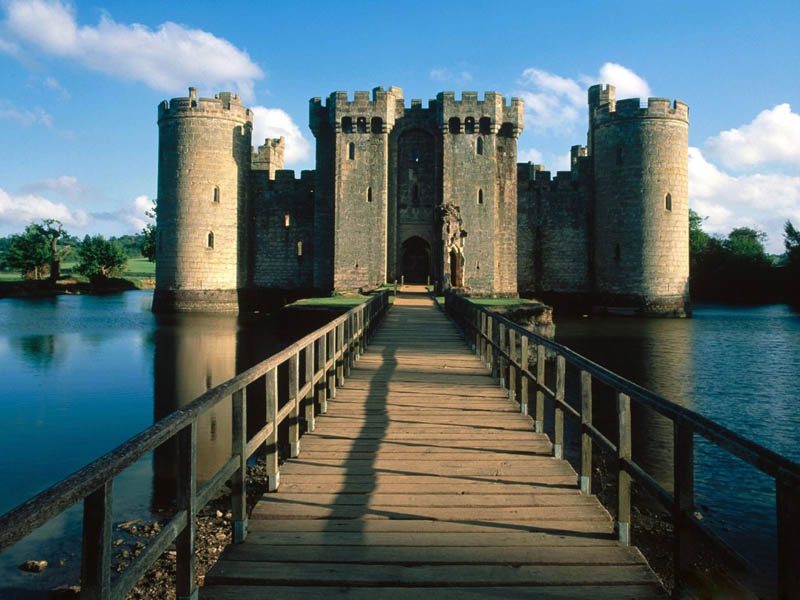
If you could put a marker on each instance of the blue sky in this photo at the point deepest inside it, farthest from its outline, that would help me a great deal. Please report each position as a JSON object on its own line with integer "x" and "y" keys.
{"x": 80, "y": 82}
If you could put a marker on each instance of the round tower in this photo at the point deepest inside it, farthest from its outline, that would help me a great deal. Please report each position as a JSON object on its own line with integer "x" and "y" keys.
{"x": 641, "y": 215}
{"x": 204, "y": 152}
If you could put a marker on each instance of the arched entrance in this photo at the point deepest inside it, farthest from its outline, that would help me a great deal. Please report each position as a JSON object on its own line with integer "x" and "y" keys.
{"x": 456, "y": 269}
{"x": 416, "y": 263}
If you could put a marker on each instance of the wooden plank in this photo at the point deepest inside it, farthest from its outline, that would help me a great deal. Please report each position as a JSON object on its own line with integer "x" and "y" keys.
{"x": 471, "y": 551}
{"x": 557, "y": 528}
{"x": 280, "y": 573}
{"x": 598, "y": 592}
{"x": 311, "y": 486}
{"x": 486, "y": 539}
{"x": 441, "y": 500}
{"x": 265, "y": 510}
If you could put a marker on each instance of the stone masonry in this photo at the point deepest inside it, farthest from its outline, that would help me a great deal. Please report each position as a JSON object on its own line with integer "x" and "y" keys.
{"x": 423, "y": 193}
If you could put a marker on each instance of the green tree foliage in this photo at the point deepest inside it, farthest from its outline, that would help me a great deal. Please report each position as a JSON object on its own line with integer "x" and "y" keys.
{"x": 698, "y": 239}
{"x": 791, "y": 240}
{"x": 149, "y": 235}
{"x": 100, "y": 258}
{"x": 53, "y": 230}
{"x": 36, "y": 251}
{"x": 735, "y": 268}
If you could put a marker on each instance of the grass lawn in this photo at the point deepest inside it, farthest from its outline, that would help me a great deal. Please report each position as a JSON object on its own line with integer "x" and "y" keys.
{"x": 136, "y": 269}
{"x": 337, "y": 301}
{"x": 495, "y": 301}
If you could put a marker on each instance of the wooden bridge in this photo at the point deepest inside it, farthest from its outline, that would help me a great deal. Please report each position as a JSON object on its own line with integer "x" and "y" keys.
{"x": 423, "y": 474}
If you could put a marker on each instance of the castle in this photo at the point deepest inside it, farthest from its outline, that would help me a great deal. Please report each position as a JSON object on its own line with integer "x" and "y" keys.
{"x": 423, "y": 193}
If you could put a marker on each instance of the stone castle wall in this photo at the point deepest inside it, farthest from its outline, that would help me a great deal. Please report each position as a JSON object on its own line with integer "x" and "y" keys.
{"x": 442, "y": 181}
{"x": 204, "y": 165}
{"x": 282, "y": 255}
{"x": 641, "y": 243}
{"x": 554, "y": 231}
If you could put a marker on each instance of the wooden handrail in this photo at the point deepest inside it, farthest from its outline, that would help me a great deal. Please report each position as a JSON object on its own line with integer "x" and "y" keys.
{"x": 480, "y": 327}
{"x": 335, "y": 346}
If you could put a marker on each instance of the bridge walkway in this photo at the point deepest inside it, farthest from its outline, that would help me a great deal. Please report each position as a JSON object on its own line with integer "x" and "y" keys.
{"x": 424, "y": 478}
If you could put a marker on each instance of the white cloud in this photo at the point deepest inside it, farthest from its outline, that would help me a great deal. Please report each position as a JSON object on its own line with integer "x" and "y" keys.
{"x": 761, "y": 200}
{"x": 773, "y": 136}
{"x": 133, "y": 216}
{"x": 10, "y": 48}
{"x": 444, "y": 74}
{"x": 553, "y": 102}
{"x": 530, "y": 155}
{"x": 274, "y": 123}
{"x": 168, "y": 58}
{"x": 26, "y": 117}
{"x": 53, "y": 84}
{"x": 66, "y": 185}
{"x": 20, "y": 210}
{"x": 628, "y": 83}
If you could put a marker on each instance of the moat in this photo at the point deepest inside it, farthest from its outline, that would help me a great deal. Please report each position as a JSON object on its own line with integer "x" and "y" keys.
{"x": 82, "y": 374}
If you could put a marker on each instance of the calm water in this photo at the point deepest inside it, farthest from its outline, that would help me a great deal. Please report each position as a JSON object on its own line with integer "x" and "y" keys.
{"x": 82, "y": 374}
{"x": 739, "y": 366}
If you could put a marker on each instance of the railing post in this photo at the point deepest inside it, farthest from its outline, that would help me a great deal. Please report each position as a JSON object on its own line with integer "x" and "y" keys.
{"x": 273, "y": 474}
{"x": 513, "y": 370}
{"x": 586, "y": 438}
{"x": 558, "y": 416}
{"x": 330, "y": 345}
{"x": 523, "y": 380}
{"x": 351, "y": 340}
{"x": 476, "y": 322}
{"x": 346, "y": 348}
{"x": 623, "y": 477}
{"x": 538, "y": 421}
{"x": 482, "y": 335}
{"x": 294, "y": 414}
{"x": 501, "y": 347}
{"x": 683, "y": 492}
{"x": 186, "y": 588}
{"x": 787, "y": 501}
{"x": 490, "y": 344}
{"x": 322, "y": 386}
{"x": 96, "y": 544}
{"x": 239, "y": 479}
{"x": 362, "y": 333}
{"x": 310, "y": 421}
{"x": 340, "y": 360}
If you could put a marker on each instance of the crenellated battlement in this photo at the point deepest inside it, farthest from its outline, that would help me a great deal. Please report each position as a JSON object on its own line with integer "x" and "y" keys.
{"x": 289, "y": 176}
{"x": 269, "y": 156}
{"x": 224, "y": 105}
{"x": 505, "y": 118}
{"x": 382, "y": 104}
{"x": 631, "y": 108}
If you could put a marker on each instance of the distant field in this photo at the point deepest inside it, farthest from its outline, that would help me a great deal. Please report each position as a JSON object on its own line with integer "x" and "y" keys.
{"x": 136, "y": 269}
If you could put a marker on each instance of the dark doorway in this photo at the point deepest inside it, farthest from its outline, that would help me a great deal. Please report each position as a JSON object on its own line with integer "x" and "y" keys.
{"x": 456, "y": 269}
{"x": 416, "y": 254}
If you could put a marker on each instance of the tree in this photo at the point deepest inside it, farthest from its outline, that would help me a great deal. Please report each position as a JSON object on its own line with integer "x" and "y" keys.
{"x": 149, "y": 233}
{"x": 791, "y": 240}
{"x": 100, "y": 259}
{"x": 747, "y": 245}
{"x": 698, "y": 240}
{"x": 29, "y": 252}
{"x": 53, "y": 230}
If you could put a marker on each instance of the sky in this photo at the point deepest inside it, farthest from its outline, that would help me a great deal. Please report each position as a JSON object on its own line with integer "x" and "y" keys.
{"x": 80, "y": 83}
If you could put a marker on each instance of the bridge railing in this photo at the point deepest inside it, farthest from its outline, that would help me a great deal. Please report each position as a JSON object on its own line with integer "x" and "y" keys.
{"x": 506, "y": 348}
{"x": 328, "y": 355}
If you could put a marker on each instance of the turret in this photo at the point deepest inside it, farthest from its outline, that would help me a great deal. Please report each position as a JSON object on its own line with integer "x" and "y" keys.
{"x": 479, "y": 176}
{"x": 641, "y": 228}
{"x": 352, "y": 186}
{"x": 203, "y": 166}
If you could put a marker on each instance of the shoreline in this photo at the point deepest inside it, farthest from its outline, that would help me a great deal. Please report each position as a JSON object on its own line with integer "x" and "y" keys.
{"x": 46, "y": 289}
